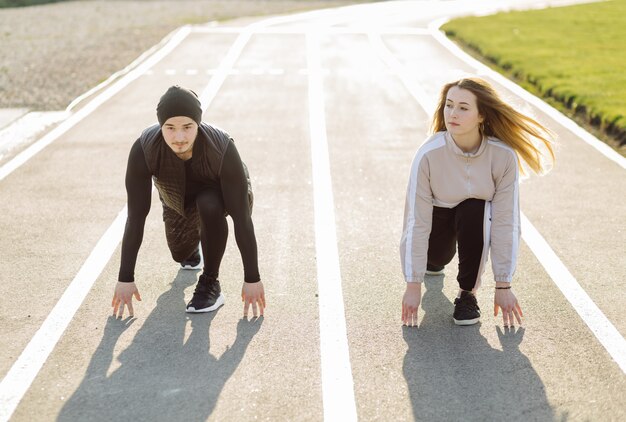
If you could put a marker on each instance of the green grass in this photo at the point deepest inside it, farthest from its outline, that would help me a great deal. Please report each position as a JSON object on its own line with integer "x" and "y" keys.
{"x": 21, "y": 3}
{"x": 575, "y": 56}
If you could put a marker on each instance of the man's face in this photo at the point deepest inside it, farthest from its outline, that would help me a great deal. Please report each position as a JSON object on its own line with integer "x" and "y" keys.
{"x": 180, "y": 133}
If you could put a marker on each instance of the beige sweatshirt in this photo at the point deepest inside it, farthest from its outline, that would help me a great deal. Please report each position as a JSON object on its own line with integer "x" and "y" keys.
{"x": 443, "y": 175}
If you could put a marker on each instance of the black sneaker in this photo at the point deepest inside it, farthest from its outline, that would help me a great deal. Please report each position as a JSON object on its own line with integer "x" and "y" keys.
{"x": 207, "y": 297}
{"x": 194, "y": 262}
{"x": 466, "y": 310}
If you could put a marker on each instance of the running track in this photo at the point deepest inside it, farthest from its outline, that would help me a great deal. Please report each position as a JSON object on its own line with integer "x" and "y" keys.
{"x": 327, "y": 109}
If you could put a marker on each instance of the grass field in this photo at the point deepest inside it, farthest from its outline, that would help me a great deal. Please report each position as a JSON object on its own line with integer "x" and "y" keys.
{"x": 573, "y": 56}
{"x": 21, "y": 3}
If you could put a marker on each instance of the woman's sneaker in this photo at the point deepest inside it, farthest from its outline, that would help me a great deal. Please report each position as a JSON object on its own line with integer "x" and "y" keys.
{"x": 207, "y": 297}
{"x": 466, "y": 310}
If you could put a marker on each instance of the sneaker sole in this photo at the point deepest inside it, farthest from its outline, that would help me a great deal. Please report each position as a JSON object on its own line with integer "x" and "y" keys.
{"x": 219, "y": 302}
{"x": 466, "y": 321}
{"x": 189, "y": 267}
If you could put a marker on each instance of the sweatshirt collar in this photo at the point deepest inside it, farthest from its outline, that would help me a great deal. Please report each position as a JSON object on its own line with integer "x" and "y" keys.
{"x": 458, "y": 151}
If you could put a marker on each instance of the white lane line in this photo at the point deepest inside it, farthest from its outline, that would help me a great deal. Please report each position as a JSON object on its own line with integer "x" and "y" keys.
{"x": 425, "y": 101}
{"x": 337, "y": 383}
{"x": 228, "y": 63}
{"x": 27, "y": 366}
{"x": 600, "y": 326}
{"x": 116, "y": 87}
{"x": 27, "y": 128}
{"x": 302, "y": 30}
{"x": 559, "y": 117}
{"x": 597, "y": 322}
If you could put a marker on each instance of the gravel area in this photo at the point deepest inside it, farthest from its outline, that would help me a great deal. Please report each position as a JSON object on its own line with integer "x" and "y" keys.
{"x": 53, "y": 53}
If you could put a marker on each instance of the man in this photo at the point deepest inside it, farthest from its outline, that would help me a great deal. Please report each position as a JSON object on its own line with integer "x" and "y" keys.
{"x": 200, "y": 179}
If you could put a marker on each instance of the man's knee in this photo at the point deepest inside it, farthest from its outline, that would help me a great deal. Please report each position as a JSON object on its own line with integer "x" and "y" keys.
{"x": 210, "y": 205}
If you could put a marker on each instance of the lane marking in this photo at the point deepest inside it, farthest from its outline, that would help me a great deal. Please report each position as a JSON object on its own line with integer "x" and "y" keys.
{"x": 116, "y": 87}
{"x": 27, "y": 128}
{"x": 425, "y": 101}
{"x": 600, "y": 326}
{"x": 302, "y": 30}
{"x": 337, "y": 383}
{"x": 598, "y": 323}
{"x": 556, "y": 115}
{"x": 259, "y": 71}
{"x": 21, "y": 375}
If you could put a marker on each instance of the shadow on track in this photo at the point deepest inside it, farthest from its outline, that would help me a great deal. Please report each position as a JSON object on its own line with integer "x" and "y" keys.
{"x": 162, "y": 376}
{"x": 454, "y": 374}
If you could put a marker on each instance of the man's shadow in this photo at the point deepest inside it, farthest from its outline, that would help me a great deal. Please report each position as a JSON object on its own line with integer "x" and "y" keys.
{"x": 162, "y": 376}
{"x": 454, "y": 374}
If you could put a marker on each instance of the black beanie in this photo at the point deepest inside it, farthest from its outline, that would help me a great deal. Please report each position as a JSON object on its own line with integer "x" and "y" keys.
{"x": 179, "y": 101}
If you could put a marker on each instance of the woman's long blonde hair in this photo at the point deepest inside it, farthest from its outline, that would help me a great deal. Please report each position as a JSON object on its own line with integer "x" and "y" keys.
{"x": 502, "y": 121}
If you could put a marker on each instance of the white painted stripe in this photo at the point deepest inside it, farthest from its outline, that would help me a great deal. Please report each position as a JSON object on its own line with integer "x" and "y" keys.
{"x": 226, "y": 67}
{"x": 28, "y": 127}
{"x": 124, "y": 71}
{"x": 425, "y": 101}
{"x": 598, "y": 323}
{"x": 559, "y": 117}
{"x": 337, "y": 383}
{"x": 51, "y": 136}
{"x": 302, "y": 30}
{"x": 25, "y": 369}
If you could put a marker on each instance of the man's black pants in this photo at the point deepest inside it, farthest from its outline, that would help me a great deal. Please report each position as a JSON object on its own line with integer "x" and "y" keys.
{"x": 204, "y": 221}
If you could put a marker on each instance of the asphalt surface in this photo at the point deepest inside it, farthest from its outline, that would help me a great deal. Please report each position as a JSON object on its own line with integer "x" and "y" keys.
{"x": 166, "y": 365}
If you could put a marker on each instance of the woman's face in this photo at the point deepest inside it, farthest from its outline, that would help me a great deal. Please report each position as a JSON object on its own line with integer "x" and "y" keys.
{"x": 461, "y": 112}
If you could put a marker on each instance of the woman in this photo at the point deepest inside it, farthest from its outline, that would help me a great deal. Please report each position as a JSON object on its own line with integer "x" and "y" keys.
{"x": 463, "y": 190}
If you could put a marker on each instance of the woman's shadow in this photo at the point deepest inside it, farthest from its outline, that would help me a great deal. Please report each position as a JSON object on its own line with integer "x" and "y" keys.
{"x": 162, "y": 376}
{"x": 454, "y": 374}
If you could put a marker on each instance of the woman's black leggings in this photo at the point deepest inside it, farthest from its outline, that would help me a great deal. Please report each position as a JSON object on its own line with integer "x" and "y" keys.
{"x": 467, "y": 224}
{"x": 205, "y": 221}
